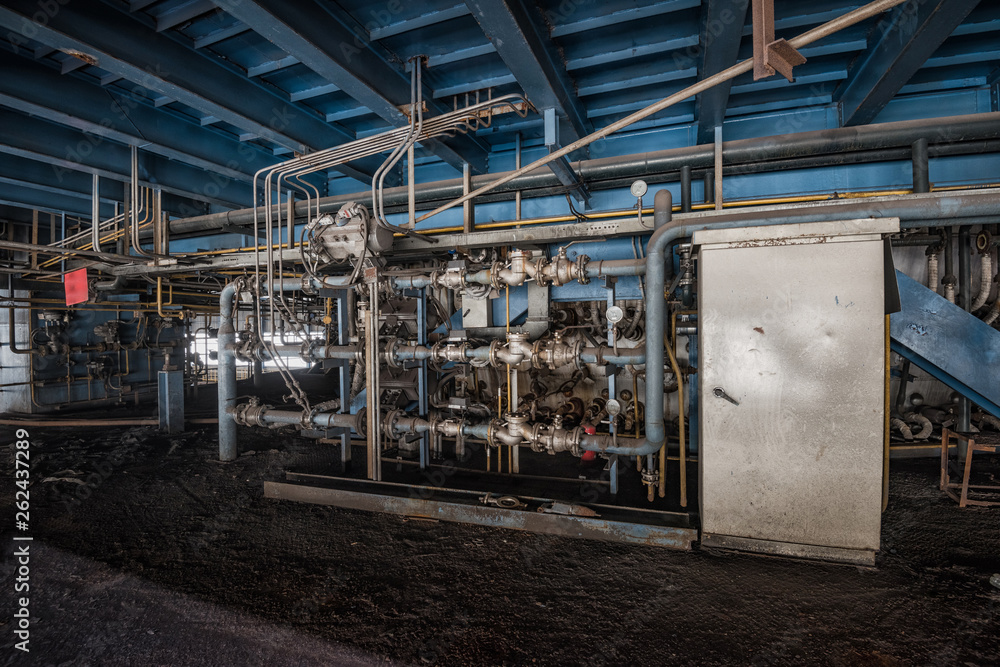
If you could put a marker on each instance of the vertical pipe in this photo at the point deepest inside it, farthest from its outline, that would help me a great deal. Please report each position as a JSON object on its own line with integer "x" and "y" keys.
{"x": 885, "y": 426}
{"x": 125, "y": 246}
{"x": 718, "y": 168}
{"x": 468, "y": 212}
{"x": 95, "y": 214}
{"x": 62, "y": 235}
{"x": 517, "y": 165}
{"x": 290, "y": 212}
{"x": 686, "y": 189}
{"x": 228, "y": 450}
{"x": 949, "y": 279}
{"x": 921, "y": 170}
{"x": 411, "y": 188}
{"x": 709, "y": 187}
{"x": 964, "y": 268}
{"x": 34, "y": 238}
{"x": 964, "y": 301}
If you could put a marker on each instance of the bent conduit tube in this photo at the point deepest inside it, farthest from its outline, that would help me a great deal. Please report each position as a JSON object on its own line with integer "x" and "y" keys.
{"x": 655, "y": 349}
{"x": 985, "y": 282}
{"x": 228, "y": 450}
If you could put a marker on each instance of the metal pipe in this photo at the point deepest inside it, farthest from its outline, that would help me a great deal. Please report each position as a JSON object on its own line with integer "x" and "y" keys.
{"x": 964, "y": 268}
{"x": 756, "y": 151}
{"x": 12, "y": 333}
{"x": 964, "y": 424}
{"x": 95, "y": 214}
{"x": 228, "y": 449}
{"x": 921, "y": 171}
{"x": 686, "y": 189}
{"x": 655, "y": 331}
{"x": 810, "y": 36}
{"x": 322, "y": 420}
{"x": 663, "y": 208}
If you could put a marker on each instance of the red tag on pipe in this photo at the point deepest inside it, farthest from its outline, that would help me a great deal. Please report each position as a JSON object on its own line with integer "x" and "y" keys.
{"x": 75, "y": 283}
{"x": 589, "y": 429}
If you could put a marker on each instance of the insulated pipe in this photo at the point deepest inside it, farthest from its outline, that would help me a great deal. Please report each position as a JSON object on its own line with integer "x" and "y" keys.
{"x": 985, "y": 281}
{"x": 932, "y": 272}
{"x": 921, "y": 172}
{"x": 686, "y": 189}
{"x": 228, "y": 450}
{"x": 964, "y": 268}
{"x": 744, "y": 151}
{"x": 663, "y": 208}
{"x": 949, "y": 279}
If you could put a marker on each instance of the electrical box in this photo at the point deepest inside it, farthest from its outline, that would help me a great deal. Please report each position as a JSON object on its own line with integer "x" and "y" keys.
{"x": 791, "y": 387}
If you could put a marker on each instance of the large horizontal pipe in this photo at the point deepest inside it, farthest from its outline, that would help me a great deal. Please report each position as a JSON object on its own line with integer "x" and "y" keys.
{"x": 322, "y": 420}
{"x": 758, "y": 152}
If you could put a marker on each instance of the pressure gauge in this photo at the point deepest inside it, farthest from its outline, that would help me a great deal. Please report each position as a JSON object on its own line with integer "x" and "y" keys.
{"x": 639, "y": 188}
{"x": 613, "y": 407}
{"x": 615, "y": 314}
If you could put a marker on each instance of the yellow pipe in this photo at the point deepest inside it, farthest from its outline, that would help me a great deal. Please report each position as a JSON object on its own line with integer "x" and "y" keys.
{"x": 885, "y": 409}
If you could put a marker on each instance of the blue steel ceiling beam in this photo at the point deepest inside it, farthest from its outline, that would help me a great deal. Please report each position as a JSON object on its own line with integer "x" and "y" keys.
{"x": 670, "y": 38}
{"x": 70, "y": 150}
{"x": 421, "y": 21}
{"x": 532, "y": 59}
{"x": 15, "y": 194}
{"x": 186, "y": 12}
{"x": 35, "y": 89}
{"x": 219, "y": 35}
{"x": 609, "y": 82}
{"x": 722, "y": 24}
{"x": 326, "y": 44}
{"x": 612, "y": 15}
{"x": 902, "y": 41}
{"x": 965, "y": 51}
{"x": 39, "y": 176}
{"x": 136, "y": 52}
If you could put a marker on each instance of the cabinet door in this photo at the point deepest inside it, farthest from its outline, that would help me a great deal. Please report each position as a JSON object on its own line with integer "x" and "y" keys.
{"x": 795, "y": 335}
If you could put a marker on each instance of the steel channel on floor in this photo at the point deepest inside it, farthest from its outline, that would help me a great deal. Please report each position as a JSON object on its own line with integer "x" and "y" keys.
{"x": 629, "y": 525}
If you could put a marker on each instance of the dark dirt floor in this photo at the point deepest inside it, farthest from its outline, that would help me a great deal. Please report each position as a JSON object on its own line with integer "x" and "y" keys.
{"x": 148, "y": 551}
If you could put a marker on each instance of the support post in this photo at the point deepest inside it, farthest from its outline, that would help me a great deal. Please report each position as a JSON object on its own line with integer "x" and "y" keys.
{"x": 170, "y": 399}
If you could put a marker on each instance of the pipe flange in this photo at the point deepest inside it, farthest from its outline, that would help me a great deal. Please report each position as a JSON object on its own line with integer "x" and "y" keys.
{"x": 536, "y": 355}
{"x": 251, "y": 413}
{"x": 581, "y": 269}
{"x": 984, "y": 242}
{"x": 307, "y": 352}
{"x": 495, "y": 346}
{"x": 537, "y": 432}
{"x": 391, "y": 350}
{"x": 389, "y": 424}
{"x": 496, "y": 281}
{"x": 575, "y": 436}
{"x": 540, "y": 279}
{"x": 491, "y": 431}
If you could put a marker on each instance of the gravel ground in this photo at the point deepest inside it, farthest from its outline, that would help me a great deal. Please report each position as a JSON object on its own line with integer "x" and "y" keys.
{"x": 148, "y": 551}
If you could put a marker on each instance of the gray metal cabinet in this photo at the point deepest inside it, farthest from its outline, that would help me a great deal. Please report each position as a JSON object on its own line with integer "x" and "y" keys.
{"x": 792, "y": 330}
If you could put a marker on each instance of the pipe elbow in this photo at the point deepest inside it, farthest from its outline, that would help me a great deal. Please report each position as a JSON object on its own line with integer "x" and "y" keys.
{"x": 663, "y": 208}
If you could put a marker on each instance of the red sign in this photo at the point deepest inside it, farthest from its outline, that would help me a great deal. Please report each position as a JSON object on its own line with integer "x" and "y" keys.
{"x": 75, "y": 283}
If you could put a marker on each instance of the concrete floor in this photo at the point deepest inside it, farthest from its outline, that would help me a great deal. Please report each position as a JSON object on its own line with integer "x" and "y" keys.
{"x": 159, "y": 555}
